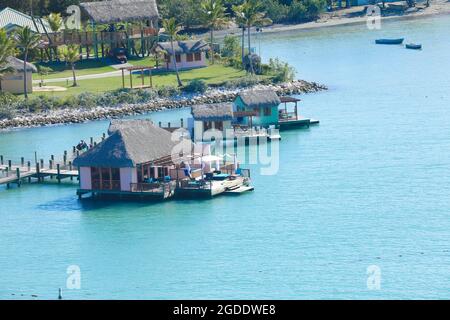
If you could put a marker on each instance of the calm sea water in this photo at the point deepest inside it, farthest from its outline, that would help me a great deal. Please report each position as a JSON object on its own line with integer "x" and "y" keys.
{"x": 369, "y": 186}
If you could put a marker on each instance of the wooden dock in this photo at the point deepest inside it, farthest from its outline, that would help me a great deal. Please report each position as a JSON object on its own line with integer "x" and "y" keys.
{"x": 25, "y": 171}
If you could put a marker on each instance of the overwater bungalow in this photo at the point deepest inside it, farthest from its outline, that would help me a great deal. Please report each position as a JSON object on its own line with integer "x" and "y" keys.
{"x": 213, "y": 121}
{"x": 262, "y": 108}
{"x": 133, "y": 160}
{"x": 140, "y": 159}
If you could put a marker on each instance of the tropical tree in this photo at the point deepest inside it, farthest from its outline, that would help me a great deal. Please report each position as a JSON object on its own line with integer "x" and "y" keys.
{"x": 7, "y": 49}
{"x": 214, "y": 16}
{"x": 239, "y": 19}
{"x": 55, "y": 21}
{"x": 252, "y": 14}
{"x": 172, "y": 29}
{"x": 26, "y": 40}
{"x": 71, "y": 54}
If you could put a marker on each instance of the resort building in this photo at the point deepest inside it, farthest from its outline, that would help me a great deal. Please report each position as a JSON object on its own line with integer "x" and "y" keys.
{"x": 11, "y": 20}
{"x": 206, "y": 117}
{"x": 188, "y": 54}
{"x": 14, "y": 82}
{"x": 261, "y": 108}
{"x": 136, "y": 159}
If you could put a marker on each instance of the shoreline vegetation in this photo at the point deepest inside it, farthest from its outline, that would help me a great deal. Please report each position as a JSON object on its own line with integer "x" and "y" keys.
{"x": 83, "y": 114}
{"x": 353, "y": 16}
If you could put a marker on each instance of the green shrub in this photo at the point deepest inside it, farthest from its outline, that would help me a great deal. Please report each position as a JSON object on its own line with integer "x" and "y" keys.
{"x": 196, "y": 86}
{"x": 280, "y": 71}
{"x": 168, "y": 91}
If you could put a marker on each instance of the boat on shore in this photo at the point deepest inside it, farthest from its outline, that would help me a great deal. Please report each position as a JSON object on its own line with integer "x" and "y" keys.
{"x": 389, "y": 41}
{"x": 413, "y": 46}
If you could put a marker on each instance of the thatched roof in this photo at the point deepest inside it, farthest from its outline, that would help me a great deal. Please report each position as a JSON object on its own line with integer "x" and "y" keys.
{"x": 130, "y": 143}
{"x": 185, "y": 46}
{"x": 17, "y": 65}
{"x": 113, "y": 11}
{"x": 259, "y": 98}
{"x": 213, "y": 112}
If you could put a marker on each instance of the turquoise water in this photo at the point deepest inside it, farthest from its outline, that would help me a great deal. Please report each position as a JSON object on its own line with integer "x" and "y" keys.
{"x": 369, "y": 186}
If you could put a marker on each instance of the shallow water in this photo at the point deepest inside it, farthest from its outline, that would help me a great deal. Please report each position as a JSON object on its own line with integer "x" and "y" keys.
{"x": 369, "y": 186}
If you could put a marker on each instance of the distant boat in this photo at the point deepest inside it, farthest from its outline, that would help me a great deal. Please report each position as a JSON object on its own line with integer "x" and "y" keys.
{"x": 413, "y": 46}
{"x": 389, "y": 41}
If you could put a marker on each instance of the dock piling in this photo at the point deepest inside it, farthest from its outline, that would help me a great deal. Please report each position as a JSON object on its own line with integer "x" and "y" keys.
{"x": 50, "y": 164}
{"x": 1, "y": 160}
{"x": 9, "y": 164}
{"x": 58, "y": 173}
{"x": 42, "y": 163}
{"x": 22, "y": 162}
{"x": 29, "y": 165}
{"x": 182, "y": 123}
{"x": 38, "y": 172}
{"x": 18, "y": 176}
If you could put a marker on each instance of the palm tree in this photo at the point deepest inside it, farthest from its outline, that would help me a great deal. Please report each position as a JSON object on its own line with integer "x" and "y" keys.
{"x": 238, "y": 11}
{"x": 252, "y": 15}
{"x": 172, "y": 29}
{"x": 214, "y": 17}
{"x": 55, "y": 21}
{"x": 7, "y": 49}
{"x": 71, "y": 54}
{"x": 26, "y": 40}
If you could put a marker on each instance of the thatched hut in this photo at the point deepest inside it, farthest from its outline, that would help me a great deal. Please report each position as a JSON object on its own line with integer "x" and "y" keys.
{"x": 257, "y": 107}
{"x": 206, "y": 117}
{"x": 135, "y": 158}
{"x": 13, "y": 82}
{"x": 113, "y": 11}
{"x": 188, "y": 53}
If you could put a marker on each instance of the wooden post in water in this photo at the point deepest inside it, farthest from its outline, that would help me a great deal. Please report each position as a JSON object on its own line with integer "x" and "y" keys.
{"x": 58, "y": 173}
{"x": 29, "y": 166}
{"x": 42, "y": 163}
{"x": 9, "y": 164}
{"x": 50, "y": 164}
{"x": 182, "y": 123}
{"x": 22, "y": 162}
{"x": 92, "y": 141}
{"x": 70, "y": 168}
{"x": 38, "y": 172}
{"x": 52, "y": 157}
{"x": 1, "y": 160}
{"x": 65, "y": 157}
{"x": 18, "y": 176}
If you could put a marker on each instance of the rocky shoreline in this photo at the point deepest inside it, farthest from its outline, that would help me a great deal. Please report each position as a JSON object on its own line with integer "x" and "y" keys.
{"x": 68, "y": 116}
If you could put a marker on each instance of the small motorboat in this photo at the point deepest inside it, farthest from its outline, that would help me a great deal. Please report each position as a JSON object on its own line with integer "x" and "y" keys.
{"x": 389, "y": 41}
{"x": 413, "y": 46}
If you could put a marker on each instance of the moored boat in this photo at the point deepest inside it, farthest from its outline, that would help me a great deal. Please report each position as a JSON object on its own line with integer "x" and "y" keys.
{"x": 413, "y": 46}
{"x": 389, "y": 41}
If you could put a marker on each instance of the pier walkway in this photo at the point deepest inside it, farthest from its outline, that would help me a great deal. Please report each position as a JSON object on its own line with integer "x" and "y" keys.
{"x": 25, "y": 171}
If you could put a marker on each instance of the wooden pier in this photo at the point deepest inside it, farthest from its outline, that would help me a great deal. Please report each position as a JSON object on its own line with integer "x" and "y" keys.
{"x": 38, "y": 170}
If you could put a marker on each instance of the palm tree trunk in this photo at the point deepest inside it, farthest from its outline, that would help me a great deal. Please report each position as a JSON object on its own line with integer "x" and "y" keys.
{"x": 252, "y": 71}
{"x": 25, "y": 91}
{"x": 174, "y": 59}
{"x": 75, "y": 84}
{"x": 212, "y": 48}
{"x": 243, "y": 46}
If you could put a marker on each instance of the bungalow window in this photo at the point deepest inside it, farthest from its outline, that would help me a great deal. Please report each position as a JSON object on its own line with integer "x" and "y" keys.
{"x": 267, "y": 111}
{"x": 189, "y": 57}
{"x": 105, "y": 178}
{"x": 178, "y": 58}
{"x": 198, "y": 56}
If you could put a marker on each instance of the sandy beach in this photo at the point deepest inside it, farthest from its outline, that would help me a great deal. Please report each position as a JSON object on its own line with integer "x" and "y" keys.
{"x": 353, "y": 15}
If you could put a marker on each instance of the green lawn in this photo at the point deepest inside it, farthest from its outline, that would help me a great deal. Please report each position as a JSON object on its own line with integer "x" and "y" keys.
{"x": 87, "y": 67}
{"x": 214, "y": 74}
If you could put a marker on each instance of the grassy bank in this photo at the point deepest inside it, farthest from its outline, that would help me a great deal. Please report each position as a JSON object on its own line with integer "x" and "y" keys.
{"x": 212, "y": 75}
